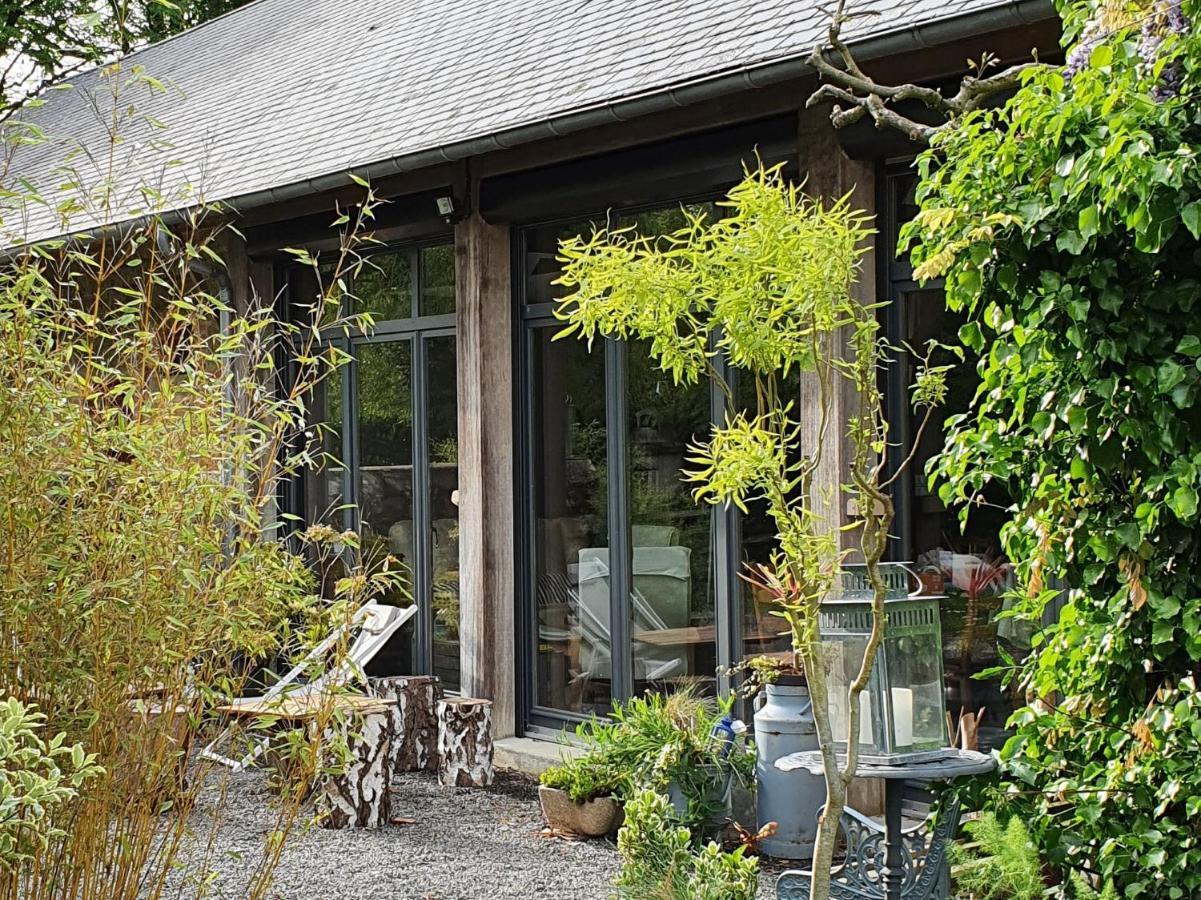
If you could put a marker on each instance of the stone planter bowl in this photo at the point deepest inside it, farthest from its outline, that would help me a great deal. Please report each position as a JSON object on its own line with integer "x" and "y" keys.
{"x": 593, "y": 818}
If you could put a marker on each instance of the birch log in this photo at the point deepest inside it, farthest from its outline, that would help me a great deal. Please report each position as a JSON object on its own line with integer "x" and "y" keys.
{"x": 358, "y": 796}
{"x": 465, "y": 742}
{"x": 414, "y": 719}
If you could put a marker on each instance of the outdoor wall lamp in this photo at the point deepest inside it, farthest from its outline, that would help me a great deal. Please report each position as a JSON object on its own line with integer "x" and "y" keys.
{"x": 449, "y": 209}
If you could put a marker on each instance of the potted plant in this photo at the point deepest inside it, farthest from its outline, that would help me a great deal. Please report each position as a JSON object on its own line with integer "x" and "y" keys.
{"x": 679, "y": 745}
{"x": 577, "y": 796}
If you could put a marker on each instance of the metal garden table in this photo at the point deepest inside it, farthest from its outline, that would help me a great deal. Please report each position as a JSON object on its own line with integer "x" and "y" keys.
{"x": 894, "y": 883}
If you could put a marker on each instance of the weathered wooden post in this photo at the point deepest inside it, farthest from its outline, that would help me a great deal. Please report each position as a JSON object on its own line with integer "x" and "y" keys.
{"x": 465, "y": 742}
{"x": 358, "y": 796}
{"x": 413, "y": 714}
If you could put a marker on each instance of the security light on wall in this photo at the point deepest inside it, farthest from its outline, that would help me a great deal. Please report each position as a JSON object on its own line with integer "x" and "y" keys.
{"x": 448, "y": 209}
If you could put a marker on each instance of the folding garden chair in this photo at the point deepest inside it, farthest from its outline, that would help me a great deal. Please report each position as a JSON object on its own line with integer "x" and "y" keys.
{"x": 375, "y": 625}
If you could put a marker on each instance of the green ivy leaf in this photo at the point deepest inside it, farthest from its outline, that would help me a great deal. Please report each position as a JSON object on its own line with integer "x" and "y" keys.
{"x": 1189, "y": 345}
{"x": 1089, "y": 219}
{"x": 1191, "y": 216}
{"x": 1183, "y": 502}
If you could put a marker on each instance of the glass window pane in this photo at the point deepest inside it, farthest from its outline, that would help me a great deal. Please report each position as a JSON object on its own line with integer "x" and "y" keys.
{"x": 672, "y": 587}
{"x": 542, "y": 244}
{"x": 442, "y": 430}
{"x": 385, "y": 477}
{"x": 571, "y": 574}
{"x": 541, "y": 265}
{"x": 438, "y": 280}
{"x": 763, "y": 632}
{"x": 966, "y": 565}
{"x": 323, "y": 485}
{"x": 384, "y": 287}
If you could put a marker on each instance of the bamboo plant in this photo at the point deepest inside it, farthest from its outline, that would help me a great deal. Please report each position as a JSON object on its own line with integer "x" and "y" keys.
{"x": 768, "y": 285}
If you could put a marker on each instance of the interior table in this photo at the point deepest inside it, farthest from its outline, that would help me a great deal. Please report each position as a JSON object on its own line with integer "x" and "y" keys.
{"x": 956, "y": 764}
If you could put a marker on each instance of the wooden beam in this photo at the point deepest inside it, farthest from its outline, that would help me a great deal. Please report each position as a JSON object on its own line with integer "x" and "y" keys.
{"x": 486, "y": 464}
{"x": 831, "y": 174}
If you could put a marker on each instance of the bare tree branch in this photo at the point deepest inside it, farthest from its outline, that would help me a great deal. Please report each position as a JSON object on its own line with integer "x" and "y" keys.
{"x": 854, "y": 94}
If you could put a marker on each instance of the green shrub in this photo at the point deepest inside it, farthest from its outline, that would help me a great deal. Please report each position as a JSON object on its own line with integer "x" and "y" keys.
{"x": 658, "y": 862}
{"x": 655, "y": 742}
{"x": 145, "y": 429}
{"x": 1066, "y": 226}
{"x": 1003, "y": 866}
{"x": 36, "y": 777}
{"x": 584, "y": 778}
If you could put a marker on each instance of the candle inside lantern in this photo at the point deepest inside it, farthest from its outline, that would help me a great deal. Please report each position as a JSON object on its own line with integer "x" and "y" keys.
{"x": 902, "y": 716}
{"x": 865, "y": 720}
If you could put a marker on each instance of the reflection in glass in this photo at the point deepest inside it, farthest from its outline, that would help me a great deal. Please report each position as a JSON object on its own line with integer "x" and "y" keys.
{"x": 385, "y": 475}
{"x": 437, "y": 280}
{"x": 542, "y": 244}
{"x": 384, "y": 287}
{"x": 574, "y": 658}
{"x": 672, "y": 595}
{"x": 442, "y": 431}
{"x": 963, "y": 562}
{"x": 763, "y": 632}
{"x": 323, "y": 494}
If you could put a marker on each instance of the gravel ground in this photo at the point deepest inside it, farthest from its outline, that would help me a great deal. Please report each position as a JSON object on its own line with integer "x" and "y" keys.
{"x": 464, "y": 844}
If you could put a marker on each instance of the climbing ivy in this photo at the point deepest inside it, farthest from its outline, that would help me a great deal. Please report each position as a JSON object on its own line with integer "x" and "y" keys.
{"x": 1066, "y": 225}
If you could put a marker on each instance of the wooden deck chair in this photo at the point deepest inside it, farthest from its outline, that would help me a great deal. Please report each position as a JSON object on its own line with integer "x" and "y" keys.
{"x": 375, "y": 625}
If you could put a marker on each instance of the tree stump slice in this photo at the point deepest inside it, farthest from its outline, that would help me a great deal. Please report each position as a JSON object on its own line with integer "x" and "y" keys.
{"x": 465, "y": 742}
{"x": 358, "y": 797}
{"x": 414, "y": 719}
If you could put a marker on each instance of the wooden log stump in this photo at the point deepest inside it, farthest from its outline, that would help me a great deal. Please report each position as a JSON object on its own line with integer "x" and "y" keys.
{"x": 465, "y": 742}
{"x": 161, "y": 734}
{"x": 358, "y": 797}
{"x": 414, "y": 720}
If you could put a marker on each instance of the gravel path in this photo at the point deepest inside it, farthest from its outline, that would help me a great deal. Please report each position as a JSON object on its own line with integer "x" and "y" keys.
{"x": 464, "y": 844}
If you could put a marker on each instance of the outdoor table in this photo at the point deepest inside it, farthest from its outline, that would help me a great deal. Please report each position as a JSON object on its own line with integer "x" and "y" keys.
{"x": 956, "y": 764}
{"x": 300, "y": 707}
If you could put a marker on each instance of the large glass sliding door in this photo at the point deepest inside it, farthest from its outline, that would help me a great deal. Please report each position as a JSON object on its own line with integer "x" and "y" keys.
{"x": 573, "y": 663}
{"x": 619, "y": 573}
{"x": 671, "y": 538}
{"x": 389, "y": 428}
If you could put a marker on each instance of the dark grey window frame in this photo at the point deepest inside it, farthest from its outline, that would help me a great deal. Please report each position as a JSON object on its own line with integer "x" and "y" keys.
{"x": 726, "y": 551}
{"x": 415, "y": 330}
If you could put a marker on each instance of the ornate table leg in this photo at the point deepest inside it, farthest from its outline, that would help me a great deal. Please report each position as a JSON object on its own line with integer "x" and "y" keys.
{"x": 892, "y": 876}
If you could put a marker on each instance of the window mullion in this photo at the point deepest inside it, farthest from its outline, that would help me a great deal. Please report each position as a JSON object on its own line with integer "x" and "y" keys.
{"x": 727, "y": 530}
{"x": 620, "y": 651}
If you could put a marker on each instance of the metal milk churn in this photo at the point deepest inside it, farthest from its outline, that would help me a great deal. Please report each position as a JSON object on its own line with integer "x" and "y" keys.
{"x": 784, "y": 725}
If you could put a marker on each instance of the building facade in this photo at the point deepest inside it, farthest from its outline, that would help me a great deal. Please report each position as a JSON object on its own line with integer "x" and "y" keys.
{"x": 531, "y": 485}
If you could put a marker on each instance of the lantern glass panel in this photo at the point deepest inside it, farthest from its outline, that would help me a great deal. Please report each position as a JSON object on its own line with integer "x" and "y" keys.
{"x": 915, "y": 692}
{"x": 843, "y": 659}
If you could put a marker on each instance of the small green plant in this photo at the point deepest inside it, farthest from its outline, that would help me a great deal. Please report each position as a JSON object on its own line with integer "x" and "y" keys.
{"x": 583, "y": 779}
{"x": 1004, "y": 864}
{"x": 36, "y": 777}
{"x": 658, "y": 863}
{"x": 759, "y": 671}
{"x": 661, "y": 743}
{"x": 1080, "y": 889}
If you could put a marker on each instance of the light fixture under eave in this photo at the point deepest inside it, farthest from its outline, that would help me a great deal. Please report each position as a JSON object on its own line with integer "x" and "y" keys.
{"x": 449, "y": 209}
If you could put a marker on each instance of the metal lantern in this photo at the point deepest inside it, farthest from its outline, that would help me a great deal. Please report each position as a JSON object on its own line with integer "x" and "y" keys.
{"x": 903, "y": 710}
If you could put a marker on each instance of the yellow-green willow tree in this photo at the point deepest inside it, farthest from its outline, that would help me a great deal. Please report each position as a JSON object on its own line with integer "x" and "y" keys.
{"x": 768, "y": 286}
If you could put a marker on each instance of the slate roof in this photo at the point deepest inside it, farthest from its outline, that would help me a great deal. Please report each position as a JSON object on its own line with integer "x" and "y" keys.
{"x": 282, "y": 91}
